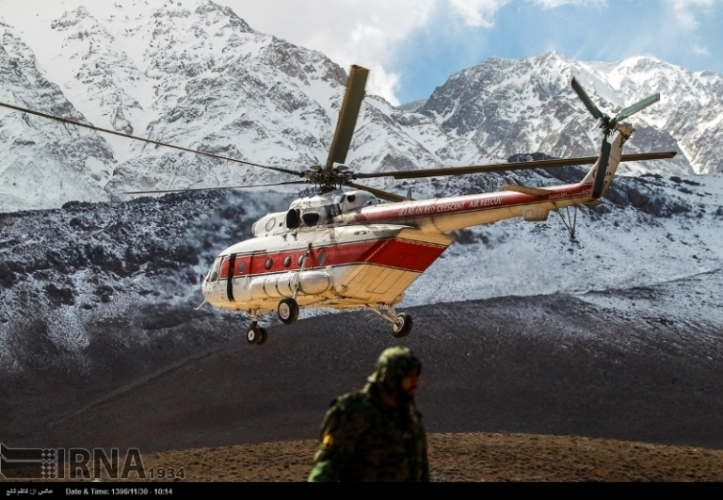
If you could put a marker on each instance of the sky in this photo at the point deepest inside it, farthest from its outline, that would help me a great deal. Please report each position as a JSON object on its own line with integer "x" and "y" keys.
{"x": 413, "y": 46}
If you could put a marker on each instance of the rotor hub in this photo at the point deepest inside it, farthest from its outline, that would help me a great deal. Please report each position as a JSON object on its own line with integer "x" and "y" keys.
{"x": 328, "y": 179}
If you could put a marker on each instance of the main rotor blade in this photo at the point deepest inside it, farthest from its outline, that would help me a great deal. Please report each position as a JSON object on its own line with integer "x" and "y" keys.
{"x": 377, "y": 192}
{"x": 637, "y": 107}
{"x": 347, "y": 116}
{"x": 157, "y": 143}
{"x": 662, "y": 155}
{"x": 585, "y": 99}
{"x": 214, "y": 188}
{"x": 502, "y": 167}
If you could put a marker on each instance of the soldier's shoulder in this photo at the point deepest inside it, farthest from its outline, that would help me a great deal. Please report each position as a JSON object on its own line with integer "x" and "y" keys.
{"x": 353, "y": 401}
{"x": 350, "y": 412}
{"x": 354, "y": 405}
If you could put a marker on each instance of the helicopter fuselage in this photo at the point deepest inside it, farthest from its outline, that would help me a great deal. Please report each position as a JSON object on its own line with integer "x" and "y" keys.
{"x": 360, "y": 256}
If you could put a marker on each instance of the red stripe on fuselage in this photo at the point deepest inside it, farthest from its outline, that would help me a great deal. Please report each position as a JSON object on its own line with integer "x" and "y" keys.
{"x": 398, "y": 253}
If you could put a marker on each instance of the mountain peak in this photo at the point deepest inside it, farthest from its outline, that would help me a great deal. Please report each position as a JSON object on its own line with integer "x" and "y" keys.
{"x": 219, "y": 12}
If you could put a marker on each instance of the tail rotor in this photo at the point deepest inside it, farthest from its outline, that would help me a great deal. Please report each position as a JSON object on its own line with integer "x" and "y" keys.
{"x": 608, "y": 126}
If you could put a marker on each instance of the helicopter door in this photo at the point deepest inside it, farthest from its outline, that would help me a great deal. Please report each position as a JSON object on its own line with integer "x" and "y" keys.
{"x": 226, "y": 277}
{"x": 229, "y": 281}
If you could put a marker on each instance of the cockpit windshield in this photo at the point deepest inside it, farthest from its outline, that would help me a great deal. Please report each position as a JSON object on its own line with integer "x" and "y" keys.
{"x": 213, "y": 273}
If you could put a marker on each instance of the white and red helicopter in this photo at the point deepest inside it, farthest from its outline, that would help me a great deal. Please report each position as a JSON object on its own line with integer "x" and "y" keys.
{"x": 346, "y": 249}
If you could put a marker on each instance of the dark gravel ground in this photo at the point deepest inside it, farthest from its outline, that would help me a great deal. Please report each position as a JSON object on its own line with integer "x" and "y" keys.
{"x": 552, "y": 365}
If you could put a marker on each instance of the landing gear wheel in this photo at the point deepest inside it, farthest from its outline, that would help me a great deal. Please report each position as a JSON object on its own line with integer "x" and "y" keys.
{"x": 263, "y": 335}
{"x": 253, "y": 335}
{"x": 256, "y": 335}
{"x": 288, "y": 311}
{"x": 402, "y": 326}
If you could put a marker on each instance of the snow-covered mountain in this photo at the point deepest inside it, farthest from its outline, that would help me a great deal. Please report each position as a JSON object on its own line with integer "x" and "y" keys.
{"x": 200, "y": 77}
{"x": 196, "y": 74}
{"x": 43, "y": 164}
{"x": 505, "y": 106}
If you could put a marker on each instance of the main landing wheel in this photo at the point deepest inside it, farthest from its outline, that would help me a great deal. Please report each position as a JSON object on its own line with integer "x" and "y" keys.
{"x": 402, "y": 326}
{"x": 256, "y": 335}
{"x": 288, "y": 311}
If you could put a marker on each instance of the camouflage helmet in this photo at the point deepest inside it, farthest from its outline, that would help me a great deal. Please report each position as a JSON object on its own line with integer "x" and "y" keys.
{"x": 394, "y": 364}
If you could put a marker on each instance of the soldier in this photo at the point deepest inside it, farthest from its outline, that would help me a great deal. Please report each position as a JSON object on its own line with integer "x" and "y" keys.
{"x": 376, "y": 434}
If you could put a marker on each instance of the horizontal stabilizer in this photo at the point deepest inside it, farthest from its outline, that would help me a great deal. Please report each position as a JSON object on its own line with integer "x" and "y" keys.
{"x": 527, "y": 190}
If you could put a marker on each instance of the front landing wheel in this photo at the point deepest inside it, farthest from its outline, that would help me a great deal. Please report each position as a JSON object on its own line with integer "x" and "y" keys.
{"x": 288, "y": 311}
{"x": 256, "y": 335}
{"x": 402, "y": 326}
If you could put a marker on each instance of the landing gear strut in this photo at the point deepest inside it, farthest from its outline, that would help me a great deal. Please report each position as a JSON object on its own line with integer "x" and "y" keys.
{"x": 288, "y": 311}
{"x": 401, "y": 323}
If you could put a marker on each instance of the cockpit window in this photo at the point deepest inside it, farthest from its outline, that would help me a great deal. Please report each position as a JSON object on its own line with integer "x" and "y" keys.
{"x": 310, "y": 218}
{"x": 213, "y": 273}
{"x": 320, "y": 215}
{"x": 293, "y": 219}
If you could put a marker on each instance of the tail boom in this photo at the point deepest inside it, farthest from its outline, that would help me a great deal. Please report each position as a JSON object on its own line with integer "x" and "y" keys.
{"x": 449, "y": 214}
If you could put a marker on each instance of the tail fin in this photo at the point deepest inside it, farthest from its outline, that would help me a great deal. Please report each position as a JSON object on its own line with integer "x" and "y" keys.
{"x": 616, "y": 153}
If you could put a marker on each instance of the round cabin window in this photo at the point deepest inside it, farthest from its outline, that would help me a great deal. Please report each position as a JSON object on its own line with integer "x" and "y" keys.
{"x": 300, "y": 261}
{"x": 322, "y": 257}
{"x": 241, "y": 267}
{"x": 269, "y": 263}
{"x": 287, "y": 261}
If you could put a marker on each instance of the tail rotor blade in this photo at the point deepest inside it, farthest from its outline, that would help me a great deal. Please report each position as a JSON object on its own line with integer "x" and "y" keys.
{"x": 347, "y": 116}
{"x": 596, "y": 113}
{"x": 637, "y": 107}
{"x": 602, "y": 168}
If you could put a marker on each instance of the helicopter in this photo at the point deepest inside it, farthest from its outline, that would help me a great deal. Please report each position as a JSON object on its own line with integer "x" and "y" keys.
{"x": 363, "y": 247}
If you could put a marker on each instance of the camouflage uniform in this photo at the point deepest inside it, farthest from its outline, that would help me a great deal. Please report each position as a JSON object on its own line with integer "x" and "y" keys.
{"x": 365, "y": 439}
